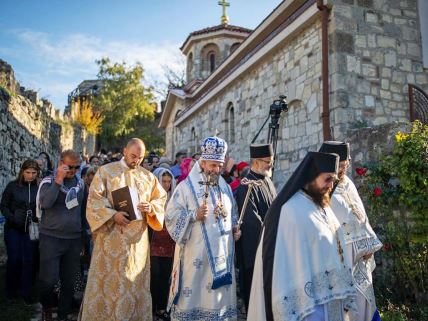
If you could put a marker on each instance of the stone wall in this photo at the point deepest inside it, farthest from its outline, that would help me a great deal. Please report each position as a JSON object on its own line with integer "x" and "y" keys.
{"x": 29, "y": 126}
{"x": 293, "y": 69}
{"x": 371, "y": 143}
{"x": 375, "y": 52}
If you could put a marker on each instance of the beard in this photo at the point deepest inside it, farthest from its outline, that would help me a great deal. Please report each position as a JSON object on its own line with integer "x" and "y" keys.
{"x": 321, "y": 197}
{"x": 131, "y": 165}
{"x": 267, "y": 173}
{"x": 211, "y": 176}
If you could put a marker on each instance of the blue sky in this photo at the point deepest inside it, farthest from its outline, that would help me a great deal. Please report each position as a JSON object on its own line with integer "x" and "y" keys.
{"x": 53, "y": 44}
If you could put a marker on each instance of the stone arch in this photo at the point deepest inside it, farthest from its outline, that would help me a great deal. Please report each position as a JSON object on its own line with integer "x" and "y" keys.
{"x": 189, "y": 67}
{"x": 193, "y": 141}
{"x": 230, "y": 123}
{"x": 288, "y": 119}
{"x": 210, "y": 55}
{"x": 234, "y": 47}
{"x": 175, "y": 133}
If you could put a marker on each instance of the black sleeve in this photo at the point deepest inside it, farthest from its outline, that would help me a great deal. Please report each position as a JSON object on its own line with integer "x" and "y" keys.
{"x": 6, "y": 202}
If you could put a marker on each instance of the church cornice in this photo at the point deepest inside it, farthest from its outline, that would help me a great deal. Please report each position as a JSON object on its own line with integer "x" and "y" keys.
{"x": 212, "y": 32}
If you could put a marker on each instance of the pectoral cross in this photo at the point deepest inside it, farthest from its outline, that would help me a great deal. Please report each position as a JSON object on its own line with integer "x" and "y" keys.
{"x": 224, "y": 17}
{"x": 209, "y": 182}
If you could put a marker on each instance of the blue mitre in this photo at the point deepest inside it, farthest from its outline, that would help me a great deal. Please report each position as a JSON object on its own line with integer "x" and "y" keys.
{"x": 213, "y": 149}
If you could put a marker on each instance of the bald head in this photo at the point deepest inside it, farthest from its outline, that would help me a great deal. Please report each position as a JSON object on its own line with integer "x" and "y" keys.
{"x": 134, "y": 152}
{"x": 136, "y": 141}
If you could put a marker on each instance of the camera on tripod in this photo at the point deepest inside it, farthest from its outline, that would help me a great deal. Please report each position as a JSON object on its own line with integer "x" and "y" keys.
{"x": 277, "y": 107}
{"x": 275, "y": 110}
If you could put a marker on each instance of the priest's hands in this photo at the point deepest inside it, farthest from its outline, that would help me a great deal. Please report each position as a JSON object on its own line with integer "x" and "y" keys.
{"x": 120, "y": 218}
{"x": 236, "y": 233}
{"x": 202, "y": 212}
{"x": 368, "y": 256}
{"x": 145, "y": 208}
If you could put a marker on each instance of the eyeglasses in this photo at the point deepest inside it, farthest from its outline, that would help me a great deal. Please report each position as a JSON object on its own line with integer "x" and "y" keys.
{"x": 270, "y": 163}
{"x": 73, "y": 167}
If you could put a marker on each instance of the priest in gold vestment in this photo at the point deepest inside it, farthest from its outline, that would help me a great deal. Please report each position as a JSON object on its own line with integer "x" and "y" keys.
{"x": 118, "y": 286}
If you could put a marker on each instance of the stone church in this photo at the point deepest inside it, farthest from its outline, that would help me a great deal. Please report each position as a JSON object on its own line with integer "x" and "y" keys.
{"x": 343, "y": 65}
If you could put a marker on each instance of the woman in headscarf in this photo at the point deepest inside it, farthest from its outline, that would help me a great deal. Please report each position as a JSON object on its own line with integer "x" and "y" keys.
{"x": 161, "y": 253}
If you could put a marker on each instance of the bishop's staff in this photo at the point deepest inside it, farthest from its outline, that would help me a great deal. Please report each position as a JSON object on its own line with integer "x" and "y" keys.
{"x": 251, "y": 183}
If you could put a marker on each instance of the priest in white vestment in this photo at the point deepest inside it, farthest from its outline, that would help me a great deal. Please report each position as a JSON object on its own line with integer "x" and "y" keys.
{"x": 301, "y": 270}
{"x": 361, "y": 241}
{"x": 202, "y": 218}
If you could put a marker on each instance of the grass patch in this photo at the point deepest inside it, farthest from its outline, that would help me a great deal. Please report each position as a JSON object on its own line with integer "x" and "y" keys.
{"x": 15, "y": 310}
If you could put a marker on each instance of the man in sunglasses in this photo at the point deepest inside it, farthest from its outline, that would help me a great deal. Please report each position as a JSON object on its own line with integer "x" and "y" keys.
{"x": 60, "y": 199}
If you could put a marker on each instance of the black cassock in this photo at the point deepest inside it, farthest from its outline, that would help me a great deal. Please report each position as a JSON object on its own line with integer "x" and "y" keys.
{"x": 260, "y": 199}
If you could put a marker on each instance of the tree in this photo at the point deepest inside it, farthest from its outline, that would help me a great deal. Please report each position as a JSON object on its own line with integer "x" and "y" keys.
{"x": 89, "y": 118}
{"x": 128, "y": 107}
{"x": 174, "y": 77}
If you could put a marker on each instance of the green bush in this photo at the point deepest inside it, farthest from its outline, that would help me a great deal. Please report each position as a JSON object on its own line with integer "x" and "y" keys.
{"x": 395, "y": 190}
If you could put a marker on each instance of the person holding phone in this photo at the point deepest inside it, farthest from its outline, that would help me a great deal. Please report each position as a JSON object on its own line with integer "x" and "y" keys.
{"x": 60, "y": 198}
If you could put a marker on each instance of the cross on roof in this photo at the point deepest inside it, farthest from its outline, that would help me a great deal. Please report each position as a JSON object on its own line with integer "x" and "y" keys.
{"x": 224, "y": 17}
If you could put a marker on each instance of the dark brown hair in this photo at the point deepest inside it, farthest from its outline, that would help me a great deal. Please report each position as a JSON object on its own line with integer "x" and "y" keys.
{"x": 29, "y": 163}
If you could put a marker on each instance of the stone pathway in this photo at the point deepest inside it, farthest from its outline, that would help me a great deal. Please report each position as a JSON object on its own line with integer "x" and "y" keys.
{"x": 73, "y": 317}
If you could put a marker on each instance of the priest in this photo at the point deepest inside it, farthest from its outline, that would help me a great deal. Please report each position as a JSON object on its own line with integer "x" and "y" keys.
{"x": 361, "y": 241}
{"x": 118, "y": 286}
{"x": 202, "y": 218}
{"x": 301, "y": 270}
{"x": 259, "y": 197}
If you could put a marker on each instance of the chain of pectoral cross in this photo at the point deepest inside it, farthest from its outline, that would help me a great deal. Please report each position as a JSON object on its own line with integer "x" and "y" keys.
{"x": 219, "y": 209}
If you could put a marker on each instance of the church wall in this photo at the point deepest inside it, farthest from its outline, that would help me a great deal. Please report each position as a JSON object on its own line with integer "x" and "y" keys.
{"x": 172, "y": 135}
{"x": 375, "y": 52}
{"x": 293, "y": 69}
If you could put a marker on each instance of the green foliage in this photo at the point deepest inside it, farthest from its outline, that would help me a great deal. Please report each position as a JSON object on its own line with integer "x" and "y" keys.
{"x": 396, "y": 192}
{"x": 127, "y": 106}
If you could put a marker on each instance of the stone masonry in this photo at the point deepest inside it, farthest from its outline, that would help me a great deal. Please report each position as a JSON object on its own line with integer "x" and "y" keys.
{"x": 295, "y": 70}
{"x": 29, "y": 126}
{"x": 375, "y": 52}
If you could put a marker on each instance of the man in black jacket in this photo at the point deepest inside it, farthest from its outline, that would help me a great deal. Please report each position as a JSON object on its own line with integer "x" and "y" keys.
{"x": 61, "y": 199}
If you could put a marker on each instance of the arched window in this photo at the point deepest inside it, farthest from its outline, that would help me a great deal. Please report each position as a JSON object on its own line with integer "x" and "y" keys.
{"x": 234, "y": 47}
{"x": 189, "y": 67}
{"x": 193, "y": 140}
{"x": 211, "y": 56}
{"x": 230, "y": 124}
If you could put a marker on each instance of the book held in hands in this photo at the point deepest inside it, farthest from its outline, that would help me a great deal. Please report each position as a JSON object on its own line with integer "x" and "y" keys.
{"x": 125, "y": 199}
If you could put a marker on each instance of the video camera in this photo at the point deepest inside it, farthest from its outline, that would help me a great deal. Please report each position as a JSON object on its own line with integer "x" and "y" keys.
{"x": 279, "y": 105}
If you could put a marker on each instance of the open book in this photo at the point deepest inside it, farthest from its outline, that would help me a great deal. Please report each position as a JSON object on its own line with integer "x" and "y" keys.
{"x": 125, "y": 199}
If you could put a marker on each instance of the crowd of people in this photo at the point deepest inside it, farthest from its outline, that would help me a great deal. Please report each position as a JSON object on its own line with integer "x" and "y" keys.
{"x": 207, "y": 230}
